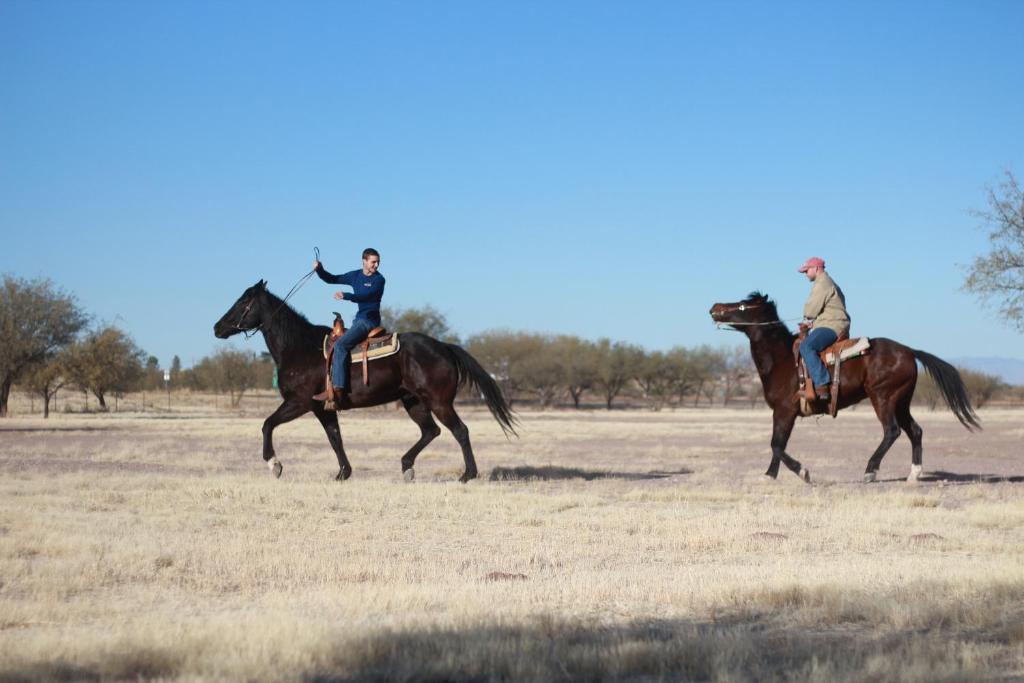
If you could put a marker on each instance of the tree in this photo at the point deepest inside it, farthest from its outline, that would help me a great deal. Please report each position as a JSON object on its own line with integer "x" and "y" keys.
{"x": 45, "y": 379}
{"x": 427, "y": 320}
{"x": 981, "y": 387}
{"x": 927, "y": 392}
{"x": 707, "y": 365}
{"x": 107, "y": 361}
{"x": 502, "y": 353}
{"x": 656, "y": 375}
{"x": 998, "y": 277}
{"x": 228, "y": 370}
{"x": 681, "y": 373}
{"x": 616, "y": 363}
{"x": 154, "y": 378}
{"x": 738, "y": 367}
{"x": 539, "y": 368}
{"x": 578, "y": 358}
{"x": 36, "y": 319}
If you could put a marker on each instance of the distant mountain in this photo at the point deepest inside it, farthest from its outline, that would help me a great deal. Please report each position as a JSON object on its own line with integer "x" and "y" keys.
{"x": 1010, "y": 370}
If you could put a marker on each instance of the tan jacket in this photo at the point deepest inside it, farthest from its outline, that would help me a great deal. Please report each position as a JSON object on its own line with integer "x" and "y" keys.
{"x": 826, "y": 305}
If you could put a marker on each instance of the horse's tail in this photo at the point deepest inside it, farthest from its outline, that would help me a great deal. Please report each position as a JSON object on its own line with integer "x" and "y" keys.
{"x": 472, "y": 373}
{"x": 952, "y": 387}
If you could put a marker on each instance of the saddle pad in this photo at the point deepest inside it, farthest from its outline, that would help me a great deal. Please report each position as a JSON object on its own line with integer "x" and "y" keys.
{"x": 379, "y": 348}
{"x": 857, "y": 349}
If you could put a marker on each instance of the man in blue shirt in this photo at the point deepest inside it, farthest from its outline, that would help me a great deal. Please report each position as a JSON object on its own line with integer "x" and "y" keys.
{"x": 369, "y": 288}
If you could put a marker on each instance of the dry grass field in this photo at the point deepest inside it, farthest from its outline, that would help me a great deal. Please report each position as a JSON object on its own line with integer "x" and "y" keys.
{"x": 599, "y": 546}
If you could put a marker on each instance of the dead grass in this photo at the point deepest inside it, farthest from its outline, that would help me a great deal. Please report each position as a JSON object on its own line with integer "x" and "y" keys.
{"x": 597, "y": 547}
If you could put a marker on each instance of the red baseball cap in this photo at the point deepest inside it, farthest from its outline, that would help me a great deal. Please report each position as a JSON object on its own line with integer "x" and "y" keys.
{"x": 813, "y": 262}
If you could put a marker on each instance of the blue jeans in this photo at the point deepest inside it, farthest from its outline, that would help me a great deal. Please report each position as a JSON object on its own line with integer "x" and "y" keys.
{"x": 342, "y": 349}
{"x": 818, "y": 339}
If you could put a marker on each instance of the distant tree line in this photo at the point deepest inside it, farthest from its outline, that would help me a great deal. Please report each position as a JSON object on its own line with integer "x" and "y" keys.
{"x": 47, "y": 343}
{"x": 553, "y": 369}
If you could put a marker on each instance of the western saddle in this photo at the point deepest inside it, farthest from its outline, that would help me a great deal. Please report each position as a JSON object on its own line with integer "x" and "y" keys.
{"x": 378, "y": 343}
{"x": 842, "y": 350}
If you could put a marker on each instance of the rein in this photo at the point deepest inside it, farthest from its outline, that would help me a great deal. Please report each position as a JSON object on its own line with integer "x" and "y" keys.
{"x": 249, "y": 332}
{"x": 743, "y": 307}
{"x": 726, "y": 326}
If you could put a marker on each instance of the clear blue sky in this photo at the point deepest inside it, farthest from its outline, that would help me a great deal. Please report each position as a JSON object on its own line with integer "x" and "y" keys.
{"x": 603, "y": 169}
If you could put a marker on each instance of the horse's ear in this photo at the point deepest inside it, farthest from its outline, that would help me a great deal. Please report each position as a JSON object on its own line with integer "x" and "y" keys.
{"x": 262, "y": 284}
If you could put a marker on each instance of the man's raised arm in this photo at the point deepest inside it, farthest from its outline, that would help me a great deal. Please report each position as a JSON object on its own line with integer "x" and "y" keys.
{"x": 328, "y": 277}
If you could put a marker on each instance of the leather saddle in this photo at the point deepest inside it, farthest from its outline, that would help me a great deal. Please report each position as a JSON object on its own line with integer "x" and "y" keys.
{"x": 843, "y": 349}
{"x": 378, "y": 343}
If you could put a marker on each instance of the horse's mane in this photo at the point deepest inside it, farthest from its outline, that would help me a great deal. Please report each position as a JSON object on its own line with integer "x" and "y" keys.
{"x": 291, "y": 325}
{"x": 772, "y": 312}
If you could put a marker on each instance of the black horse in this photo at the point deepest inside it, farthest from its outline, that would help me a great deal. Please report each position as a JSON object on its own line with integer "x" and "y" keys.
{"x": 425, "y": 375}
{"x": 886, "y": 376}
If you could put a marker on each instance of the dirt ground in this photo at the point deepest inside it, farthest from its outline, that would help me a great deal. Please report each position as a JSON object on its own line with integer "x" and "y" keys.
{"x": 597, "y": 546}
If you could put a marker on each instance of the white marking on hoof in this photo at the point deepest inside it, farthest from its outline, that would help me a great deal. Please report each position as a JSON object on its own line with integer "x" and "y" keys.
{"x": 915, "y": 473}
{"x": 805, "y": 474}
{"x": 275, "y": 466}
{"x": 869, "y": 477}
{"x": 409, "y": 474}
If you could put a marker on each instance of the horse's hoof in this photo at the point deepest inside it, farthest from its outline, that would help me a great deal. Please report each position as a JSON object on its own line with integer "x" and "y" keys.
{"x": 409, "y": 474}
{"x": 343, "y": 475}
{"x": 805, "y": 474}
{"x": 915, "y": 474}
{"x": 467, "y": 476}
{"x": 869, "y": 477}
{"x": 275, "y": 467}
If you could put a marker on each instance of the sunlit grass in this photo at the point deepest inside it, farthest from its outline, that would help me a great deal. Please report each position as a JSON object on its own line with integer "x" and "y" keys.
{"x": 651, "y": 545}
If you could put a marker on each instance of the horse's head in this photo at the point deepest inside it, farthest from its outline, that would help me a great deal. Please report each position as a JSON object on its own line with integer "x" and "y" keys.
{"x": 244, "y": 315}
{"x": 756, "y": 309}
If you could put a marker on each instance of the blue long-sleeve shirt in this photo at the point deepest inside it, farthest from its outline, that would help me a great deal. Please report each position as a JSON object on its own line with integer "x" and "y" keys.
{"x": 369, "y": 289}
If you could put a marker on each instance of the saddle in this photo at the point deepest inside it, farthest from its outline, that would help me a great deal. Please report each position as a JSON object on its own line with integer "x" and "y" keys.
{"x": 843, "y": 349}
{"x": 379, "y": 343}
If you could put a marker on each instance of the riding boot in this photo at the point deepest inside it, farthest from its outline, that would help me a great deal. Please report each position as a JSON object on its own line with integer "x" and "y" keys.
{"x": 323, "y": 396}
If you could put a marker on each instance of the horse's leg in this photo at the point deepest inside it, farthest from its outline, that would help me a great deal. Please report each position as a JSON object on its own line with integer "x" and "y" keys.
{"x": 914, "y": 433}
{"x": 446, "y": 414}
{"x": 782, "y": 427}
{"x": 286, "y": 412}
{"x": 329, "y": 420}
{"x": 429, "y": 430}
{"x": 890, "y": 432}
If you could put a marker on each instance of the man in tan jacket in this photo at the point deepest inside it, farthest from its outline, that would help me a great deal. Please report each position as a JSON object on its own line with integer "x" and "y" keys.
{"x": 825, "y": 318}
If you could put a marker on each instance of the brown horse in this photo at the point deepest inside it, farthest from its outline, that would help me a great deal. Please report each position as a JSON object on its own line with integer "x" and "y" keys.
{"x": 425, "y": 375}
{"x": 886, "y": 375}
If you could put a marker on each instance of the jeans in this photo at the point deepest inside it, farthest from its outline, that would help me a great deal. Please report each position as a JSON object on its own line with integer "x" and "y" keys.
{"x": 818, "y": 339}
{"x": 342, "y": 349}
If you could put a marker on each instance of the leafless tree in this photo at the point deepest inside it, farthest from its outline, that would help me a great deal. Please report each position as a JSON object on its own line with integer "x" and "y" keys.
{"x": 998, "y": 277}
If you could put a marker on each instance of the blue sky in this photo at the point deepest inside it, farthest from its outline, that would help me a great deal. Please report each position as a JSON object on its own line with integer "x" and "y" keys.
{"x": 603, "y": 169}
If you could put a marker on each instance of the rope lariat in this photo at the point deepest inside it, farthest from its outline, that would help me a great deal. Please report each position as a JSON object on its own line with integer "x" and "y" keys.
{"x": 291, "y": 292}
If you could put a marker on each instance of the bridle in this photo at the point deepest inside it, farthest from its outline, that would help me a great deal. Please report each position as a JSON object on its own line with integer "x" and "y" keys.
{"x": 248, "y": 332}
{"x": 743, "y": 306}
